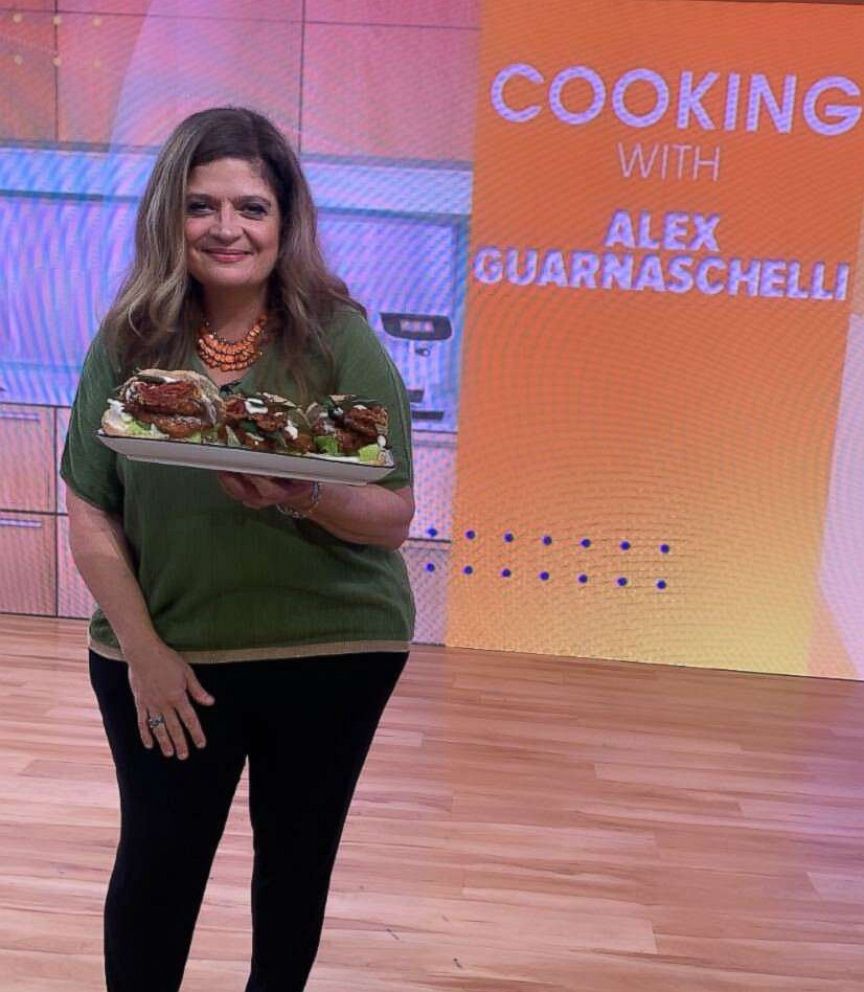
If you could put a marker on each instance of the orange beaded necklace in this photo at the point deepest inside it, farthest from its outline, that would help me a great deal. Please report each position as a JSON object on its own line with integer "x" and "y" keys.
{"x": 232, "y": 356}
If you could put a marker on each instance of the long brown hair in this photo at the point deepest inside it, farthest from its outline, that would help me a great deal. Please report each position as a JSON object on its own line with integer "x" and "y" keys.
{"x": 155, "y": 315}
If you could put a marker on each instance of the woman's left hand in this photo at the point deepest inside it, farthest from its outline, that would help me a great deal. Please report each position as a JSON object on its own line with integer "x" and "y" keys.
{"x": 260, "y": 491}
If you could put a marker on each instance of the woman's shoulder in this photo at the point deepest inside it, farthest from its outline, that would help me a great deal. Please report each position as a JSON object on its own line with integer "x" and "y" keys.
{"x": 346, "y": 317}
{"x": 349, "y": 329}
{"x": 101, "y": 359}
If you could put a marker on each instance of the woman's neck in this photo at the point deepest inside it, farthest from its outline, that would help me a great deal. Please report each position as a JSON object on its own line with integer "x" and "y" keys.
{"x": 231, "y": 314}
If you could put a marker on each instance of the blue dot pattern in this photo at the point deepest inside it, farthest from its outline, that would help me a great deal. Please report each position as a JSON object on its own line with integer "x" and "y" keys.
{"x": 544, "y": 576}
{"x": 430, "y": 567}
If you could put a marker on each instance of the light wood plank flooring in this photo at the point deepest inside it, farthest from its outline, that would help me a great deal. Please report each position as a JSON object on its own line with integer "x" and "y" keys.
{"x": 523, "y": 824}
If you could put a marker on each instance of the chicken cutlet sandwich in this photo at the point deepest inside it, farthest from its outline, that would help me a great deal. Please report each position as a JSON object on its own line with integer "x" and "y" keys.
{"x": 266, "y": 422}
{"x": 179, "y": 405}
{"x": 349, "y": 426}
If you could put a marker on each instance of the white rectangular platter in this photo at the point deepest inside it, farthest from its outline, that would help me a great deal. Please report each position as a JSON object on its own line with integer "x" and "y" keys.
{"x": 320, "y": 468}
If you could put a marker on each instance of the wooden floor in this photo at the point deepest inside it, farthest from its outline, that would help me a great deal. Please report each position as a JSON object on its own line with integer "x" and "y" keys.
{"x": 523, "y": 824}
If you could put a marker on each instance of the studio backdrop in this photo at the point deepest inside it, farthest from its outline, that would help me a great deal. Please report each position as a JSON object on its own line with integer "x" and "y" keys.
{"x": 612, "y": 245}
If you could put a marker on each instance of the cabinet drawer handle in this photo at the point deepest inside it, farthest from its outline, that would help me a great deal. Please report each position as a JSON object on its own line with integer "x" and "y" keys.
{"x": 33, "y": 524}
{"x": 33, "y": 418}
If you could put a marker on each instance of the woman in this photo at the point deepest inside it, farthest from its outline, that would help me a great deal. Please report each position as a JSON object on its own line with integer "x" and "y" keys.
{"x": 239, "y": 617}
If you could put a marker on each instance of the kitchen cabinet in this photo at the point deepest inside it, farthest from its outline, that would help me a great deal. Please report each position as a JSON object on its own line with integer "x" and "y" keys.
{"x": 27, "y": 474}
{"x": 61, "y": 429}
{"x": 28, "y": 564}
{"x": 73, "y": 597}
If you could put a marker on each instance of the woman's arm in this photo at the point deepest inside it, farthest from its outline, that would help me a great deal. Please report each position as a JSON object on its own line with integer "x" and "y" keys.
{"x": 359, "y": 514}
{"x": 365, "y": 514}
{"x": 161, "y": 681}
{"x": 101, "y": 554}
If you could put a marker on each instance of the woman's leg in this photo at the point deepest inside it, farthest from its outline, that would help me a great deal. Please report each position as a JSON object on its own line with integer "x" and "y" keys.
{"x": 172, "y": 815}
{"x": 312, "y": 721}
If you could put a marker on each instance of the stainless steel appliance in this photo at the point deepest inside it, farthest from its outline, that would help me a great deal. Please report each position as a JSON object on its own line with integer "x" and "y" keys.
{"x": 421, "y": 345}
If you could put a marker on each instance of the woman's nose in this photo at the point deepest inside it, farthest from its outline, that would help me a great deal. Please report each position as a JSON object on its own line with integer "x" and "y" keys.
{"x": 224, "y": 224}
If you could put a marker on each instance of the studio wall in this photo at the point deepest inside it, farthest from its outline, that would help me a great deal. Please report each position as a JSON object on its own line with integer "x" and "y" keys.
{"x": 630, "y": 232}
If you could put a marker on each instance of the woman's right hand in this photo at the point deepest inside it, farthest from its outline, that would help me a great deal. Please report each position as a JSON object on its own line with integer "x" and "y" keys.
{"x": 162, "y": 682}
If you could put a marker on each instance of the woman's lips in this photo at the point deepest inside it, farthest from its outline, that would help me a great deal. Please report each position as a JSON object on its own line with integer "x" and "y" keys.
{"x": 226, "y": 256}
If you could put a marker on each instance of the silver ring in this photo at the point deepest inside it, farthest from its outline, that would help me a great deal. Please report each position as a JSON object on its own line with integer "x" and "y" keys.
{"x": 155, "y": 721}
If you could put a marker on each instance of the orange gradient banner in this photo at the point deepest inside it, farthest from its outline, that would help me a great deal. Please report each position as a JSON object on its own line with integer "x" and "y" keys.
{"x": 667, "y": 202}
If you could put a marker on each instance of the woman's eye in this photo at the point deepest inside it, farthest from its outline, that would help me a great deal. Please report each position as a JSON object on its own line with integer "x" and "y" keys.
{"x": 254, "y": 208}
{"x": 196, "y": 206}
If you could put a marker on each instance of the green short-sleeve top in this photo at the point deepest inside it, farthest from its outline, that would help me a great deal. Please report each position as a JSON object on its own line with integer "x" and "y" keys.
{"x": 223, "y": 582}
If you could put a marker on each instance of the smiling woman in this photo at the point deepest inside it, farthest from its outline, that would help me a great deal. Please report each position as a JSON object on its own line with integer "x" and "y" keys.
{"x": 251, "y": 592}
{"x": 232, "y": 241}
{"x": 232, "y": 229}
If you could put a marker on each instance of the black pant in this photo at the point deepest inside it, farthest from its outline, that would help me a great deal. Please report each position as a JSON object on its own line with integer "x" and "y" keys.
{"x": 305, "y": 725}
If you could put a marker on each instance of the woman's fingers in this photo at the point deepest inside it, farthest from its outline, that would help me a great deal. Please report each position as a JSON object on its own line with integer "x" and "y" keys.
{"x": 196, "y": 690}
{"x": 232, "y": 484}
{"x": 259, "y": 491}
{"x": 170, "y": 735}
{"x": 264, "y": 487}
{"x": 190, "y": 720}
{"x": 163, "y": 739}
{"x": 240, "y": 487}
{"x": 175, "y": 730}
{"x": 143, "y": 728}
{"x": 283, "y": 490}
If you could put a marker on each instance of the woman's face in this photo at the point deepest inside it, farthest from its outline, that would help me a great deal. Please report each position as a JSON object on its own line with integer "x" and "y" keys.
{"x": 232, "y": 225}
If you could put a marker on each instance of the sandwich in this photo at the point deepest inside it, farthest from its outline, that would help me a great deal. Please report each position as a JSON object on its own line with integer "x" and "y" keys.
{"x": 266, "y": 422}
{"x": 180, "y": 406}
{"x": 349, "y": 426}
